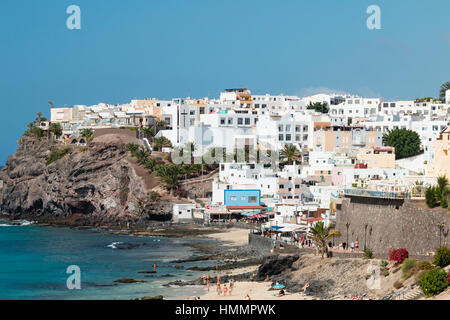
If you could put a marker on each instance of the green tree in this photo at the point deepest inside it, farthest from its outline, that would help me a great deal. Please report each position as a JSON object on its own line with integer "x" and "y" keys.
{"x": 430, "y": 197}
{"x": 444, "y": 87}
{"x": 290, "y": 153}
{"x": 442, "y": 191}
{"x": 319, "y": 233}
{"x": 406, "y": 142}
{"x": 56, "y": 129}
{"x": 88, "y": 134}
{"x": 318, "y": 107}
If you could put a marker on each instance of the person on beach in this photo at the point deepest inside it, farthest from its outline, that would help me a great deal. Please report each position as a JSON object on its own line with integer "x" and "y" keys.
{"x": 219, "y": 289}
{"x": 305, "y": 287}
{"x": 281, "y": 293}
{"x": 247, "y": 297}
{"x": 208, "y": 284}
{"x": 225, "y": 289}
{"x": 267, "y": 278}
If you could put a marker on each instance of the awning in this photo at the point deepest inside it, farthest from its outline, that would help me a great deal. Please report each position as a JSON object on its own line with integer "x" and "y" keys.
{"x": 275, "y": 227}
{"x": 244, "y": 207}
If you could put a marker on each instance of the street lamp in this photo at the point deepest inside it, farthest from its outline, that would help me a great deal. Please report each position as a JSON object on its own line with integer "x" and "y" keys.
{"x": 365, "y": 232}
{"x": 347, "y": 224}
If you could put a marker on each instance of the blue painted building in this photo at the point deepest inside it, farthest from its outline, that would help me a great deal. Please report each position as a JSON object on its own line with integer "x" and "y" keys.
{"x": 242, "y": 197}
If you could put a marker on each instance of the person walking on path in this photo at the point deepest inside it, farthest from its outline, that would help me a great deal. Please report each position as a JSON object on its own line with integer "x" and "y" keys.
{"x": 352, "y": 246}
{"x": 356, "y": 245}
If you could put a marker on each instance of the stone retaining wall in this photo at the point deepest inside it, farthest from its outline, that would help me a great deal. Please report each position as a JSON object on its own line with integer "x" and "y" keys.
{"x": 392, "y": 224}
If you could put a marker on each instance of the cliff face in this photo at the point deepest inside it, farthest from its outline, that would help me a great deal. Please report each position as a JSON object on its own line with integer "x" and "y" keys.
{"x": 94, "y": 185}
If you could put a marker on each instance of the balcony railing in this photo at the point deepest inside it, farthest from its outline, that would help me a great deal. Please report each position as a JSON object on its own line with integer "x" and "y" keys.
{"x": 377, "y": 194}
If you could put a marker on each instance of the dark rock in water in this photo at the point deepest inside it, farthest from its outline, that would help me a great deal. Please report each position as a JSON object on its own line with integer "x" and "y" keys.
{"x": 128, "y": 246}
{"x": 14, "y": 223}
{"x": 179, "y": 266}
{"x": 274, "y": 265}
{"x": 168, "y": 275}
{"x": 153, "y": 298}
{"x": 147, "y": 271}
{"x": 129, "y": 280}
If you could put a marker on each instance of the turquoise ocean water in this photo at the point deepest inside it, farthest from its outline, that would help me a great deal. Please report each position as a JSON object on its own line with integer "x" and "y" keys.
{"x": 34, "y": 260}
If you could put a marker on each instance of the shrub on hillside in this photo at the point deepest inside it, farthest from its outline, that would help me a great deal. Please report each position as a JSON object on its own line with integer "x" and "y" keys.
{"x": 154, "y": 196}
{"x": 57, "y": 153}
{"x": 408, "y": 267}
{"x": 384, "y": 263}
{"x": 433, "y": 282}
{"x": 398, "y": 284}
{"x": 132, "y": 147}
{"x": 398, "y": 255}
{"x": 424, "y": 265}
{"x": 368, "y": 253}
{"x": 442, "y": 257}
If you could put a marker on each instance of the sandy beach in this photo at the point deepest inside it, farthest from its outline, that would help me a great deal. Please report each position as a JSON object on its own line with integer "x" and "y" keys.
{"x": 233, "y": 237}
{"x": 256, "y": 291}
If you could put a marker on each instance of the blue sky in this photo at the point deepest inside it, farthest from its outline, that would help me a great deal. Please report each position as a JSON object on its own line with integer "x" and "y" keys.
{"x": 146, "y": 48}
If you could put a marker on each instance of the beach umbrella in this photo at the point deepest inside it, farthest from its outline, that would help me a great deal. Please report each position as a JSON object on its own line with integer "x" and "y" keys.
{"x": 278, "y": 286}
{"x": 275, "y": 227}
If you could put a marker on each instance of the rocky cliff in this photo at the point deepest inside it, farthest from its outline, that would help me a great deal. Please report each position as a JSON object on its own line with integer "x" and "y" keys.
{"x": 94, "y": 185}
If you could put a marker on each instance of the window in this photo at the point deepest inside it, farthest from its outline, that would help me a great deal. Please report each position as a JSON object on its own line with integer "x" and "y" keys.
{"x": 230, "y": 120}
{"x": 280, "y": 137}
{"x": 288, "y": 137}
{"x": 252, "y": 199}
{"x": 233, "y": 198}
{"x": 243, "y": 198}
{"x": 288, "y": 127}
{"x": 247, "y": 120}
{"x": 222, "y": 120}
{"x": 280, "y": 128}
{"x": 240, "y": 121}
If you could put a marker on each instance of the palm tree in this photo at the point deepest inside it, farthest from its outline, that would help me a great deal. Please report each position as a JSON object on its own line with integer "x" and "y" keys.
{"x": 445, "y": 86}
{"x": 161, "y": 124}
{"x": 39, "y": 117}
{"x": 148, "y": 133}
{"x": 320, "y": 234}
{"x": 290, "y": 153}
{"x": 161, "y": 142}
{"x": 169, "y": 176}
{"x": 141, "y": 155}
